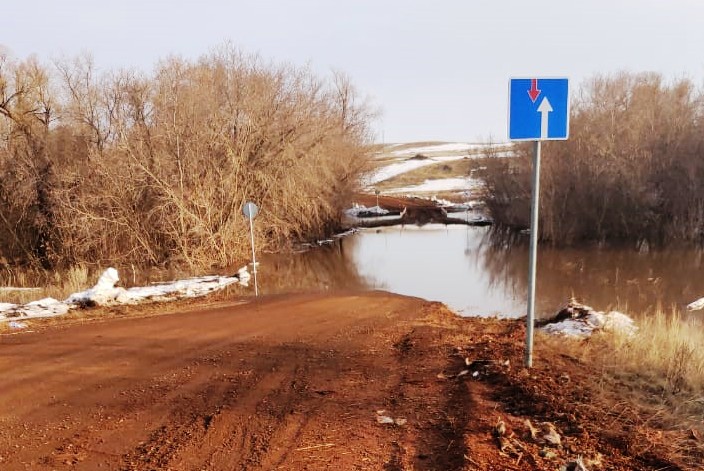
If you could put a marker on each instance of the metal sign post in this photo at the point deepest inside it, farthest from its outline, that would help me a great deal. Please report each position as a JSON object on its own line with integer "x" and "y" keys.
{"x": 538, "y": 111}
{"x": 250, "y": 211}
{"x": 533, "y": 254}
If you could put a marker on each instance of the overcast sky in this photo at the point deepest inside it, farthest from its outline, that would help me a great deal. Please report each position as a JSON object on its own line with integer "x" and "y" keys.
{"x": 438, "y": 70}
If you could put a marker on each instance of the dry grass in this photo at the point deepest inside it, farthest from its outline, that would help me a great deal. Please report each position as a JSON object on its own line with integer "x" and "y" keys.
{"x": 666, "y": 352}
{"x": 38, "y": 284}
{"x": 454, "y": 168}
{"x": 658, "y": 372}
{"x": 649, "y": 386}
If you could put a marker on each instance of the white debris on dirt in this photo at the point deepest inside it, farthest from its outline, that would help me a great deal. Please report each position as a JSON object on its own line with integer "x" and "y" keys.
{"x": 441, "y": 184}
{"x": 17, "y": 325}
{"x": 381, "y": 418}
{"x": 696, "y": 305}
{"x": 105, "y": 293}
{"x": 579, "y": 320}
{"x": 384, "y": 419}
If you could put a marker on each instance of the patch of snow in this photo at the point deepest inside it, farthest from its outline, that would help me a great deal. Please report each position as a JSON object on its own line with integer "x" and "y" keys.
{"x": 504, "y": 154}
{"x": 399, "y": 166}
{"x": 243, "y": 275}
{"x": 47, "y": 307}
{"x": 395, "y": 169}
{"x": 6, "y": 307}
{"x": 613, "y": 321}
{"x": 188, "y": 288}
{"x": 17, "y": 325}
{"x": 357, "y": 210}
{"x": 102, "y": 294}
{"x": 105, "y": 293}
{"x": 696, "y": 305}
{"x": 441, "y": 184}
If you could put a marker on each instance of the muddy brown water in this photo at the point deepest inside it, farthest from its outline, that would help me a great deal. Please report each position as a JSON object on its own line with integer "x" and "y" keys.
{"x": 466, "y": 269}
{"x": 472, "y": 272}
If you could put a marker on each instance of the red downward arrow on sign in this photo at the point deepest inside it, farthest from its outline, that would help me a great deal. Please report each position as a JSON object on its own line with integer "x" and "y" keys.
{"x": 533, "y": 92}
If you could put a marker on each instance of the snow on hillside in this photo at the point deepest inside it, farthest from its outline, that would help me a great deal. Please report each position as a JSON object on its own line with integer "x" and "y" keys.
{"x": 441, "y": 184}
{"x": 398, "y": 168}
{"x": 400, "y": 161}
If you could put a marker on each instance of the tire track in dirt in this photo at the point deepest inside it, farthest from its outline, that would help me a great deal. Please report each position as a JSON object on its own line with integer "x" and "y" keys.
{"x": 217, "y": 390}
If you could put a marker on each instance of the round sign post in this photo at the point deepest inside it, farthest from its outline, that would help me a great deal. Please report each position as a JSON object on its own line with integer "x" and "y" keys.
{"x": 250, "y": 211}
{"x": 377, "y": 197}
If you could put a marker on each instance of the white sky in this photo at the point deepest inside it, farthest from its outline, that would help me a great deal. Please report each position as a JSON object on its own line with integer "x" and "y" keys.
{"x": 438, "y": 70}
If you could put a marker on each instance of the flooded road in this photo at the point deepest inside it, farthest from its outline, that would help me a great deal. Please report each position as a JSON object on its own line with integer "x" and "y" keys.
{"x": 476, "y": 276}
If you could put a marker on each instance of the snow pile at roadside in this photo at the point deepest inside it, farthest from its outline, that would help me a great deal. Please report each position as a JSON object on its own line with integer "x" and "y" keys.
{"x": 105, "y": 293}
{"x": 696, "y": 305}
{"x": 578, "y": 320}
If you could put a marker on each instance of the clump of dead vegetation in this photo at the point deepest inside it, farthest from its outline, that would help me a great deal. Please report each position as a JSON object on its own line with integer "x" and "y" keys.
{"x": 153, "y": 169}
{"x": 631, "y": 170}
{"x": 648, "y": 386}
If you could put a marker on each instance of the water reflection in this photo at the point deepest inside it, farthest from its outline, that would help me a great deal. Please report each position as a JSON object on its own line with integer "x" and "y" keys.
{"x": 477, "y": 274}
{"x": 320, "y": 269}
{"x": 435, "y": 262}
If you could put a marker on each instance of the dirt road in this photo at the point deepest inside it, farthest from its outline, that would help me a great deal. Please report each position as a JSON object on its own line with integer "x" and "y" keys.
{"x": 297, "y": 382}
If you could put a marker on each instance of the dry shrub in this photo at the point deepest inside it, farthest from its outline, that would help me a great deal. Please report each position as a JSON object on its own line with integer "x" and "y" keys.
{"x": 662, "y": 366}
{"x": 630, "y": 171}
{"x": 122, "y": 167}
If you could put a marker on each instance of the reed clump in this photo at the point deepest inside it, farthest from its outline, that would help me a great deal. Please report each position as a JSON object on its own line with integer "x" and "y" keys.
{"x": 658, "y": 373}
{"x": 20, "y": 285}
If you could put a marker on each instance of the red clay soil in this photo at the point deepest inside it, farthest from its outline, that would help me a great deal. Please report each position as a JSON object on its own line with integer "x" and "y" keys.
{"x": 298, "y": 383}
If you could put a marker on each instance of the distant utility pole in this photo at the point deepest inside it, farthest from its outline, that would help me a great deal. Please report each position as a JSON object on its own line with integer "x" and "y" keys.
{"x": 532, "y": 118}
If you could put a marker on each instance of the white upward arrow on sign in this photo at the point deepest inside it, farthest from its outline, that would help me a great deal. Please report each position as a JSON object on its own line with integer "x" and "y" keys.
{"x": 544, "y": 109}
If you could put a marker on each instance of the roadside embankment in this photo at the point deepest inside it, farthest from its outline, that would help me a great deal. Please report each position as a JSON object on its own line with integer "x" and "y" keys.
{"x": 359, "y": 380}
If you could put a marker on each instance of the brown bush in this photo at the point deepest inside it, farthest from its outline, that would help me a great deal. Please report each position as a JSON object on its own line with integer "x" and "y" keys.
{"x": 631, "y": 170}
{"x": 121, "y": 166}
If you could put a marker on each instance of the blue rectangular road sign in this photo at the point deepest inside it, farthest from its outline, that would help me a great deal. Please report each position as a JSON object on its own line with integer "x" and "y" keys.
{"x": 538, "y": 109}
